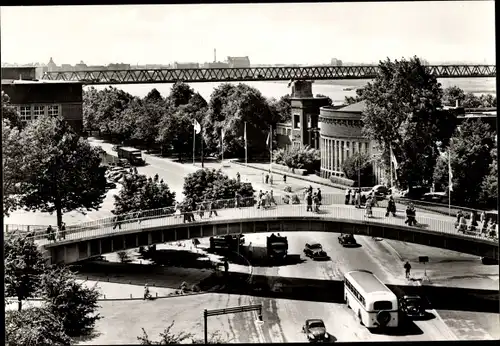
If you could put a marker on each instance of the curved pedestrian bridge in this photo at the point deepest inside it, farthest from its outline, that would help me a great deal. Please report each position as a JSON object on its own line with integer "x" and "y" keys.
{"x": 109, "y": 235}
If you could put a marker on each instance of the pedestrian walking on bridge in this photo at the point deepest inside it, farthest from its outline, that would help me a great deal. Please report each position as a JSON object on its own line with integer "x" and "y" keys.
{"x": 407, "y": 267}
{"x": 309, "y": 200}
{"x": 284, "y": 178}
{"x": 238, "y": 177}
{"x": 347, "y": 196}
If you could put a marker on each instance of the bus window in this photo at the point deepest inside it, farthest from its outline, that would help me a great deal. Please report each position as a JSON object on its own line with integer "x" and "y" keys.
{"x": 382, "y": 305}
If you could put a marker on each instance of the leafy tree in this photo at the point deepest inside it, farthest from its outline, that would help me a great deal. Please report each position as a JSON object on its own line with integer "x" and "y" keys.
{"x": 359, "y": 166}
{"x": 180, "y": 94}
{"x": 111, "y": 104}
{"x": 488, "y": 101}
{"x": 146, "y": 122}
{"x": 403, "y": 110}
{"x": 330, "y": 102}
{"x": 470, "y": 150}
{"x": 63, "y": 172}
{"x": 34, "y": 326}
{"x": 211, "y": 184}
{"x": 14, "y": 163}
{"x": 168, "y": 337}
{"x": 176, "y": 130}
{"x": 142, "y": 193}
{"x": 229, "y": 108}
{"x": 153, "y": 96}
{"x": 91, "y": 105}
{"x": 471, "y": 101}
{"x": 283, "y": 108}
{"x": 72, "y": 303}
{"x": 489, "y": 187}
{"x": 453, "y": 94}
{"x": 358, "y": 98}
{"x": 298, "y": 157}
{"x": 9, "y": 112}
{"x": 24, "y": 264}
{"x": 125, "y": 123}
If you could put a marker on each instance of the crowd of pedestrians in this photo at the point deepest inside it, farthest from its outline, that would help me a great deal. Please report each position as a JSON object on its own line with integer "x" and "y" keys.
{"x": 471, "y": 223}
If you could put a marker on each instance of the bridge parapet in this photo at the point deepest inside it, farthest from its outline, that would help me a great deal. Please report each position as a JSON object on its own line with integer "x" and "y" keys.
{"x": 349, "y": 214}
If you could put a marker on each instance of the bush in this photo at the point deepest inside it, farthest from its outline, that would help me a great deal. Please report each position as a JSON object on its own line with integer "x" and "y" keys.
{"x": 123, "y": 256}
{"x": 298, "y": 158}
{"x": 362, "y": 163}
{"x": 288, "y": 188}
{"x": 342, "y": 181}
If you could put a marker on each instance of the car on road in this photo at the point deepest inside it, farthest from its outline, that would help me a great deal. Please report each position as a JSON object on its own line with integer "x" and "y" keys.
{"x": 347, "y": 240}
{"x": 115, "y": 147}
{"x": 435, "y": 197}
{"x": 412, "y": 306}
{"x": 315, "y": 251}
{"x": 380, "y": 191}
{"x": 315, "y": 330}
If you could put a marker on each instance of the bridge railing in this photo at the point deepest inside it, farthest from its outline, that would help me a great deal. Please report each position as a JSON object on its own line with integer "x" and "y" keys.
{"x": 327, "y": 212}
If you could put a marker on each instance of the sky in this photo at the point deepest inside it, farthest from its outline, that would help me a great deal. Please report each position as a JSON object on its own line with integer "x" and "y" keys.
{"x": 307, "y": 33}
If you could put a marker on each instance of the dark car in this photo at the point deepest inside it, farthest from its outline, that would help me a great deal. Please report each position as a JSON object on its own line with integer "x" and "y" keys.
{"x": 435, "y": 197}
{"x": 412, "y": 306}
{"x": 315, "y": 330}
{"x": 347, "y": 240}
{"x": 315, "y": 251}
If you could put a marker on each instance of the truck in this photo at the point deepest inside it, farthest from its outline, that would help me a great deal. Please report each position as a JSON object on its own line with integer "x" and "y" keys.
{"x": 228, "y": 242}
{"x": 277, "y": 247}
{"x": 133, "y": 155}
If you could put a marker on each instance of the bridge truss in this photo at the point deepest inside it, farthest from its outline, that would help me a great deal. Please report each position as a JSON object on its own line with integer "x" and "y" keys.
{"x": 142, "y": 76}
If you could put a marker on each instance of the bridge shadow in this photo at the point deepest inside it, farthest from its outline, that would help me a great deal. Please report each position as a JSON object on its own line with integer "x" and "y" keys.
{"x": 177, "y": 258}
{"x": 332, "y": 291}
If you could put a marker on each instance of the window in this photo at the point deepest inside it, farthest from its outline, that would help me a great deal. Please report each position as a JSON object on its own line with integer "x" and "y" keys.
{"x": 289, "y": 132}
{"x": 38, "y": 111}
{"x": 355, "y": 293}
{"x": 53, "y": 110}
{"x": 382, "y": 305}
{"x": 25, "y": 113}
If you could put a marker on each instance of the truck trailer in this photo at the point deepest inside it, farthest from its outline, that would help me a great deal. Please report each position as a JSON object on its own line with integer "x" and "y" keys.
{"x": 277, "y": 247}
{"x": 133, "y": 155}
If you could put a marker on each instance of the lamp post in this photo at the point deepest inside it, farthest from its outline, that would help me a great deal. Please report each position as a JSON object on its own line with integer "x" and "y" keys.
{"x": 233, "y": 310}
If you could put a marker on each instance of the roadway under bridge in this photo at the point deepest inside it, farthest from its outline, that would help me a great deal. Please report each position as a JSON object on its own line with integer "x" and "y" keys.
{"x": 150, "y": 76}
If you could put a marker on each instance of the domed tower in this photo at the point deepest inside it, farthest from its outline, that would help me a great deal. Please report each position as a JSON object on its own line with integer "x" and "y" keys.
{"x": 51, "y": 65}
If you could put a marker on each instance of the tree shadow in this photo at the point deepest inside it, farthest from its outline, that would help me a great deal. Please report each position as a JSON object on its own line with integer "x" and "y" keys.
{"x": 177, "y": 258}
{"x": 405, "y": 328}
{"x": 256, "y": 256}
{"x": 86, "y": 337}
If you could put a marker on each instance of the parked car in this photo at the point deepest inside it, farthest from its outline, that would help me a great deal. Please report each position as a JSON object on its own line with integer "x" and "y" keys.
{"x": 412, "y": 306}
{"x": 311, "y": 249}
{"x": 315, "y": 330}
{"x": 435, "y": 197}
{"x": 416, "y": 192}
{"x": 381, "y": 191}
{"x": 347, "y": 240}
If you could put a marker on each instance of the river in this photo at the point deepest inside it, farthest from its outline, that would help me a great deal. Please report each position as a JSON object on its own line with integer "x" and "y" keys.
{"x": 333, "y": 89}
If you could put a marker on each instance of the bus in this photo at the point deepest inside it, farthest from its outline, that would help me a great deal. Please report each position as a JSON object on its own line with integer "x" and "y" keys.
{"x": 373, "y": 303}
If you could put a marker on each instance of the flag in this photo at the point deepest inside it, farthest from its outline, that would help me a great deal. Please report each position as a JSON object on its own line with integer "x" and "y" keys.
{"x": 245, "y": 132}
{"x": 268, "y": 140}
{"x": 222, "y": 133}
{"x": 393, "y": 160}
{"x": 450, "y": 173}
{"x": 197, "y": 126}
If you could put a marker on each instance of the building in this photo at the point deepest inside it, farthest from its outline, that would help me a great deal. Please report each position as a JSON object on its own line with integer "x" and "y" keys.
{"x": 52, "y": 65}
{"x": 217, "y": 64}
{"x": 120, "y": 66}
{"x": 341, "y": 137}
{"x": 235, "y": 61}
{"x": 81, "y": 66}
{"x": 336, "y": 62}
{"x": 181, "y": 65}
{"x": 34, "y": 98}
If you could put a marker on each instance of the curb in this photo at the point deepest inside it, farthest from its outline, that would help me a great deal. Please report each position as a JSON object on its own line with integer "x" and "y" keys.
{"x": 292, "y": 175}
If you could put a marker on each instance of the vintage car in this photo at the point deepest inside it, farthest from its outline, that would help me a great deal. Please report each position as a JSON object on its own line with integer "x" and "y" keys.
{"x": 315, "y": 330}
{"x": 347, "y": 240}
{"x": 315, "y": 251}
{"x": 412, "y": 306}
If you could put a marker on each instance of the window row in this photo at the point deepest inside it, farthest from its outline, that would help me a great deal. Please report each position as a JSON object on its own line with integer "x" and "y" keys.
{"x": 284, "y": 131}
{"x": 355, "y": 292}
{"x": 33, "y": 112}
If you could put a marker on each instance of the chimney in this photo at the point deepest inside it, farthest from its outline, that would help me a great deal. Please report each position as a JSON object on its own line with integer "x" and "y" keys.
{"x": 215, "y": 55}
{"x": 457, "y": 103}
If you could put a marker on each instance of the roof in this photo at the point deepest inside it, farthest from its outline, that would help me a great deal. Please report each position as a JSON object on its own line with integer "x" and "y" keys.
{"x": 368, "y": 282}
{"x": 358, "y": 107}
{"x": 38, "y": 81}
{"x": 128, "y": 149}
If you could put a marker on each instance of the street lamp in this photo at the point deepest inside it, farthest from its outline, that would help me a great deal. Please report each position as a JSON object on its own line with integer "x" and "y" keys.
{"x": 233, "y": 310}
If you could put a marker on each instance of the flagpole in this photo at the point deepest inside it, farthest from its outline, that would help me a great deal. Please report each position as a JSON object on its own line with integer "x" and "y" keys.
{"x": 246, "y": 146}
{"x": 222, "y": 147}
{"x": 194, "y": 142}
{"x": 449, "y": 183}
{"x": 390, "y": 163}
{"x": 202, "y": 163}
{"x": 271, "y": 151}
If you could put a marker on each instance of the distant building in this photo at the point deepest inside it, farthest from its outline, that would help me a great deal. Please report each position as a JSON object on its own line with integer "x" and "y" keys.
{"x": 96, "y": 68}
{"x": 51, "y": 65}
{"x": 336, "y": 62}
{"x": 34, "y": 98}
{"x": 218, "y": 64}
{"x": 120, "y": 66}
{"x": 181, "y": 65}
{"x": 67, "y": 67}
{"x": 235, "y": 61}
{"x": 81, "y": 66}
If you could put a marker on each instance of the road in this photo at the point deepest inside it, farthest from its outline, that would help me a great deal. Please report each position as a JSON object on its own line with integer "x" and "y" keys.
{"x": 284, "y": 317}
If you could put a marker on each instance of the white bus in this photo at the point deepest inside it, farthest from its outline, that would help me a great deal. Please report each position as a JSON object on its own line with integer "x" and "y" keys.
{"x": 373, "y": 303}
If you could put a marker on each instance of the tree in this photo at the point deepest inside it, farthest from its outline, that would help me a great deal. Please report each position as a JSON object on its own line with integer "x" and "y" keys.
{"x": 211, "y": 184}
{"x": 471, "y": 101}
{"x": 14, "y": 166}
{"x": 453, "y": 94}
{"x": 176, "y": 130}
{"x": 90, "y": 106}
{"x": 359, "y": 166}
{"x": 146, "y": 121}
{"x": 403, "y": 111}
{"x": 488, "y": 101}
{"x": 34, "y": 326}
{"x": 358, "y": 98}
{"x": 24, "y": 264}
{"x": 153, "y": 96}
{"x": 298, "y": 157}
{"x": 283, "y": 108}
{"x": 180, "y": 94}
{"x": 232, "y": 106}
{"x": 489, "y": 187}
{"x": 330, "y": 102}
{"x": 63, "y": 170}
{"x": 470, "y": 151}
{"x": 168, "y": 337}
{"x": 72, "y": 303}
{"x": 9, "y": 112}
{"x": 110, "y": 105}
{"x": 142, "y": 193}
